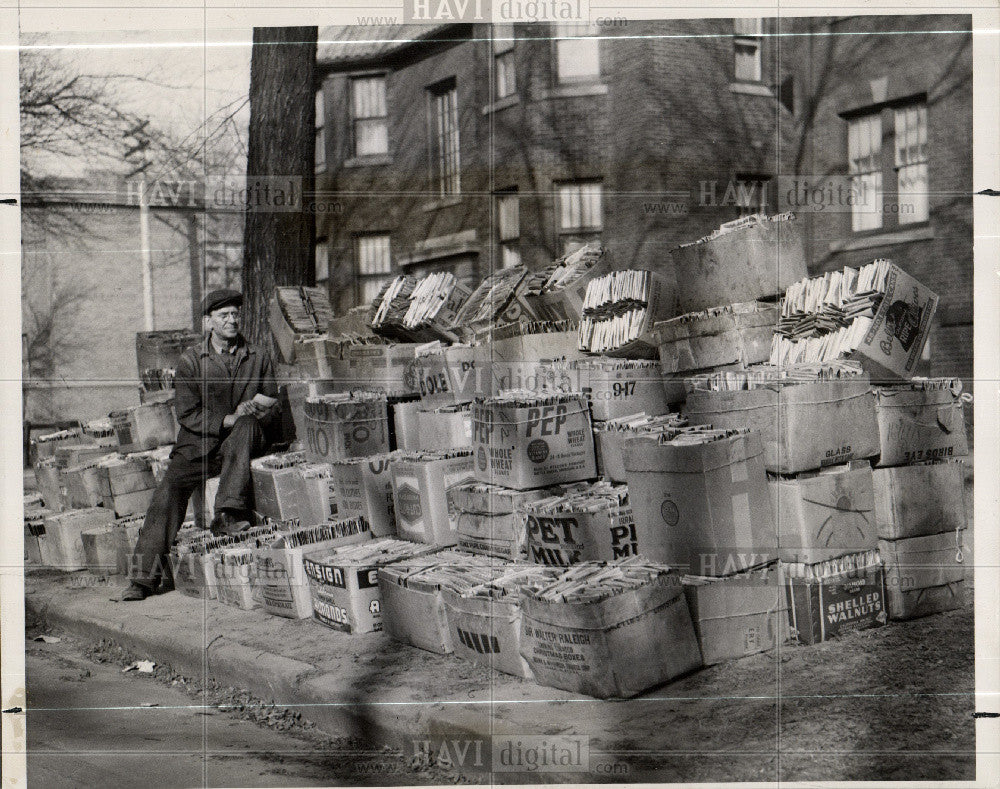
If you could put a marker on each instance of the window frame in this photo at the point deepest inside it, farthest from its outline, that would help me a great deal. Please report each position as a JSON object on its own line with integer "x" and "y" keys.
{"x": 355, "y": 120}
{"x": 364, "y": 278}
{"x": 319, "y": 130}
{"x": 581, "y": 33}
{"x": 322, "y": 252}
{"x": 581, "y": 233}
{"x": 921, "y": 163}
{"x": 445, "y": 143}
{"x": 504, "y": 70}
{"x": 748, "y": 37}
{"x": 873, "y": 173}
{"x": 509, "y": 244}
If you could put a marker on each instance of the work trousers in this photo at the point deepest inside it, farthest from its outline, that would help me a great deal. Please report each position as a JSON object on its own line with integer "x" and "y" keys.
{"x": 231, "y": 462}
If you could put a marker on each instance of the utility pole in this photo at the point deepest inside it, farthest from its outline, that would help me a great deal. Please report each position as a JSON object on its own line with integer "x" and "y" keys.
{"x": 138, "y": 155}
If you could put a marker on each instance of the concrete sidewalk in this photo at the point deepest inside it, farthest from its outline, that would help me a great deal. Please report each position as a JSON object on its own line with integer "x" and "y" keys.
{"x": 771, "y": 716}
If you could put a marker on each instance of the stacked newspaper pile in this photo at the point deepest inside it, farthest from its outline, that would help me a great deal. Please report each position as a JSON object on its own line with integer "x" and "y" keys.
{"x": 590, "y": 582}
{"x": 434, "y": 303}
{"x": 769, "y": 375}
{"x": 296, "y": 537}
{"x": 494, "y": 296}
{"x": 585, "y": 498}
{"x": 615, "y": 310}
{"x": 644, "y": 423}
{"x": 307, "y": 310}
{"x": 389, "y": 308}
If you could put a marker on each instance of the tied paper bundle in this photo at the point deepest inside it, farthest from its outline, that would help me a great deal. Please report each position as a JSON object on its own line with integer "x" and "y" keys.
{"x": 768, "y": 375}
{"x": 508, "y": 586}
{"x": 559, "y": 289}
{"x": 498, "y": 299}
{"x": 389, "y": 307}
{"x": 434, "y": 303}
{"x": 877, "y": 314}
{"x": 282, "y": 460}
{"x": 644, "y": 423}
{"x": 525, "y": 328}
{"x": 298, "y": 537}
{"x": 591, "y": 582}
{"x": 619, "y": 309}
{"x": 842, "y": 565}
{"x": 307, "y": 310}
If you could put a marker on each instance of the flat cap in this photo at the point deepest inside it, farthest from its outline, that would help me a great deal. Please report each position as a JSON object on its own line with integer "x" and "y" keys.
{"x": 224, "y": 297}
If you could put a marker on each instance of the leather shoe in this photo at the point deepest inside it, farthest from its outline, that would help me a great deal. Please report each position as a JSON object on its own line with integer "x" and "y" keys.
{"x": 135, "y": 591}
{"x": 227, "y": 522}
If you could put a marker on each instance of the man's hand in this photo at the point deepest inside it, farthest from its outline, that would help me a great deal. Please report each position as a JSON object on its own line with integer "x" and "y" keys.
{"x": 246, "y": 408}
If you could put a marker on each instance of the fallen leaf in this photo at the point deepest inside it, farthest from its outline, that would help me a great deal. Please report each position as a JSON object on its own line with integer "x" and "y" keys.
{"x": 142, "y": 666}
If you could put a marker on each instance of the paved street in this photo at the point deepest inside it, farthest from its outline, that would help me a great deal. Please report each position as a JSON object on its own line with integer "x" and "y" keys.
{"x": 88, "y": 727}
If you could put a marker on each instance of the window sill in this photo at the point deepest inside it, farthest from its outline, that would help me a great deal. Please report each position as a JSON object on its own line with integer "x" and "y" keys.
{"x": 375, "y": 160}
{"x": 444, "y": 202}
{"x": 919, "y": 232}
{"x": 571, "y": 91}
{"x": 751, "y": 89}
{"x": 501, "y": 104}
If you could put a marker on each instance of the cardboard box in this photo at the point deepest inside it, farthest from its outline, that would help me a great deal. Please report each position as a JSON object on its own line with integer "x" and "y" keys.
{"x": 61, "y": 546}
{"x": 45, "y": 446}
{"x": 741, "y": 337}
{"x": 891, "y": 348}
{"x": 447, "y": 375}
{"x": 913, "y": 501}
{"x": 277, "y": 492}
{"x": 406, "y": 421}
{"x": 48, "y": 478}
{"x": 533, "y": 446}
{"x": 660, "y": 304}
{"x": 121, "y": 476}
{"x": 312, "y": 304}
{"x": 100, "y": 549}
{"x": 162, "y": 349}
{"x": 444, "y": 428}
{"x": 388, "y": 368}
{"x": 194, "y": 573}
{"x": 618, "y": 647}
{"x": 345, "y": 595}
{"x": 83, "y": 485}
{"x": 145, "y": 426}
{"x": 757, "y": 260}
{"x": 915, "y": 566}
{"x": 709, "y": 502}
{"x": 127, "y": 531}
{"x": 487, "y": 631}
{"x": 280, "y": 573}
{"x": 567, "y": 303}
{"x": 564, "y": 539}
{"x": 318, "y": 494}
{"x": 803, "y": 426}
{"x": 364, "y": 487}
{"x": 412, "y": 606}
{"x": 826, "y": 514}
{"x": 609, "y": 449}
{"x": 34, "y": 527}
{"x": 341, "y": 429}
{"x": 738, "y": 615}
{"x": 133, "y": 503}
{"x": 71, "y": 455}
{"x": 615, "y": 387}
{"x": 919, "y": 424}
{"x": 234, "y": 577}
{"x": 494, "y": 499}
{"x": 820, "y": 608}
{"x": 502, "y": 536}
{"x": 421, "y": 493}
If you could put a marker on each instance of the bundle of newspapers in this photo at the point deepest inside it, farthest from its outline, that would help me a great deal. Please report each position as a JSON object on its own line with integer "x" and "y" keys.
{"x": 771, "y": 375}
{"x": 514, "y": 578}
{"x": 828, "y": 316}
{"x": 616, "y": 310}
{"x": 740, "y": 224}
{"x": 842, "y": 565}
{"x": 389, "y": 308}
{"x": 589, "y": 498}
{"x": 497, "y": 299}
{"x": 434, "y": 303}
{"x": 590, "y": 582}
{"x": 644, "y": 423}
{"x": 310, "y": 535}
{"x": 306, "y": 309}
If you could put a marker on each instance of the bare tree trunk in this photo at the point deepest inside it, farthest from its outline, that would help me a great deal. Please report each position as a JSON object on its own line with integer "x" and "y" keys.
{"x": 278, "y": 246}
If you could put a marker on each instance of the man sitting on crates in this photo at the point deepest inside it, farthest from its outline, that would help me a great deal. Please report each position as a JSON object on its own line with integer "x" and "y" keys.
{"x": 225, "y": 400}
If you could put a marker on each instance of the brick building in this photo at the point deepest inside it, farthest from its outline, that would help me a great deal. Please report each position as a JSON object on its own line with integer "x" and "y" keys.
{"x": 469, "y": 147}
{"x": 82, "y": 287}
{"x": 891, "y": 110}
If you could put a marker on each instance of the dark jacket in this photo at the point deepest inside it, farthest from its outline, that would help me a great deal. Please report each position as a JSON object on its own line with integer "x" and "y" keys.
{"x": 205, "y": 393}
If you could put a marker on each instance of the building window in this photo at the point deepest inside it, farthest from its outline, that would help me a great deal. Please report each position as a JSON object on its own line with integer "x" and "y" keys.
{"x": 320, "y": 133}
{"x": 369, "y": 117}
{"x": 578, "y": 54}
{"x": 374, "y": 265}
{"x": 864, "y": 152}
{"x": 747, "y": 34}
{"x": 503, "y": 60}
{"x": 509, "y": 229}
{"x": 223, "y": 265}
{"x": 911, "y": 163}
{"x": 444, "y": 137}
{"x": 322, "y": 262}
{"x": 580, "y": 214}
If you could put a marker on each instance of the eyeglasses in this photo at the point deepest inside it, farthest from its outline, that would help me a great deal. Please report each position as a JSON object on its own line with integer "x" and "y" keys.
{"x": 227, "y": 316}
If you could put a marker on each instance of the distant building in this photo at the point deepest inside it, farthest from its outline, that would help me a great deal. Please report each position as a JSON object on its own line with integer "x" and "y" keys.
{"x": 82, "y": 291}
{"x": 471, "y": 147}
{"x": 890, "y": 111}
